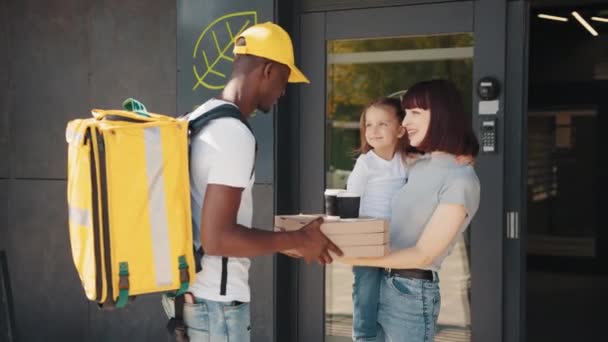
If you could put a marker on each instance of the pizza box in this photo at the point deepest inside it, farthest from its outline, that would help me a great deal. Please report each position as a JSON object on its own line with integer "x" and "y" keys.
{"x": 332, "y": 225}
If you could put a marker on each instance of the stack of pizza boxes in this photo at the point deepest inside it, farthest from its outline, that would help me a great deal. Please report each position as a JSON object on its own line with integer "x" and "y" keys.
{"x": 358, "y": 237}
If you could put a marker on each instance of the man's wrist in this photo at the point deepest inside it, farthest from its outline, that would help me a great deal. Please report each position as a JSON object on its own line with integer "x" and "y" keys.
{"x": 296, "y": 239}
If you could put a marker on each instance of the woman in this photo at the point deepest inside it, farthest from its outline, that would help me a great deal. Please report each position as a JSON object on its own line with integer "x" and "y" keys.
{"x": 436, "y": 205}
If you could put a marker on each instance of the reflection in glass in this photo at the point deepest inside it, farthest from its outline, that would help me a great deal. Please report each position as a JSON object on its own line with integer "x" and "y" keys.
{"x": 359, "y": 71}
{"x": 562, "y": 214}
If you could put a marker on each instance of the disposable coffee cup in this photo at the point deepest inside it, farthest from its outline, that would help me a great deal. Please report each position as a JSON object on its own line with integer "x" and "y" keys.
{"x": 331, "y": 201}
{"x": 348, "y": 205}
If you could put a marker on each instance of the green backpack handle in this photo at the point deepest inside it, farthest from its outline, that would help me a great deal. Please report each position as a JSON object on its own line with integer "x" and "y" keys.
{"x": 135, "y": 106}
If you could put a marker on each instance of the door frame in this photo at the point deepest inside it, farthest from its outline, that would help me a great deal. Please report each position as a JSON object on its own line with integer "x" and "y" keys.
{"x": 516, "y": 161}
{"x": 497, "y": 264}
{"x": 312, "y": 30}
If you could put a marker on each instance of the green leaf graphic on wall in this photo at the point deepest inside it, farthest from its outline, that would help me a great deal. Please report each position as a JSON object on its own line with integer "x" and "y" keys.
{"x": 212, "y": 56}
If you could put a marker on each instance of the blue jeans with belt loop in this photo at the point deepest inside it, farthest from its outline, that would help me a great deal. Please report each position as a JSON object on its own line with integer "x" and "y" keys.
{"x": 211, "y": 321}
{"x": 366, "y": 291}
{"x": 408, "y": 309}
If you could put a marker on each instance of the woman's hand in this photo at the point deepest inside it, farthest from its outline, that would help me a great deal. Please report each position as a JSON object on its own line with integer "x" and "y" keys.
{"x": 411, "y": 158}
{"x": 361, "y": 261}
{"x": 348, "y": 261}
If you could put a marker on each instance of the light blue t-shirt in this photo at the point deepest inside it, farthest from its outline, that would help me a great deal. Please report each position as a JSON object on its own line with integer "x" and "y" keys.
{"x": 432, "y": 180}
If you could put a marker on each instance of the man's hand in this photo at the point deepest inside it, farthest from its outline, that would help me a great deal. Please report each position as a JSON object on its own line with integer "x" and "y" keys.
{"x": 291, "y": 253}
{"x": 465, "y": 160}
{"x": 316, "y": 246}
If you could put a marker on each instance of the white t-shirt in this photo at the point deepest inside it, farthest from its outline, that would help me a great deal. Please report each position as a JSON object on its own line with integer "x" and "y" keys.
{"x": 223, "y": 153}
{"x": 377, "y": 180}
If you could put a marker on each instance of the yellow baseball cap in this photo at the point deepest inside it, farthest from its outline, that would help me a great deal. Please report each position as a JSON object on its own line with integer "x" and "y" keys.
{"x": 270, "y": 41}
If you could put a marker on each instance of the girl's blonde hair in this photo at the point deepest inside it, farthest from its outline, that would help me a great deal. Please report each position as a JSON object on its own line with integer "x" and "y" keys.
{"x": 394, "y": 105}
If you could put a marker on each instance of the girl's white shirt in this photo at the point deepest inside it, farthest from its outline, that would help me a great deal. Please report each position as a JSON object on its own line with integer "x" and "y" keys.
{"x": 377, "y": 180}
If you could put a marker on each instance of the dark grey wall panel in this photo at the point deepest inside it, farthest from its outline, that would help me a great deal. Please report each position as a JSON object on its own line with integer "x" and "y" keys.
{"x": 412, "y": 20}
{"x": 287, "y": 196}
{"x": 556, "y": 3}
{"x": 312, "y": 113}
{"x": 6, "y": 307}
{"x": 49, "y": 300}
{"x": 332, "y": 5}
{"x": 66, "y": 57}
{"x": 7, "y": 327}
{"x": 4, "y": 195}
{"x": 7, "y": 321}
{"x": 487, "y": 226}
{"x": 263, "y": 206}
{"x": 311, "y": 279}
{"x": 141, "y": 320}
{"x": 133, "y": 53}
{"x": 196, "y": 20}
{"x": 515, "y": 192}
{"x": 263, "y": 127}
{"x": 49, "y": 66}
{"x": 4, "y": 87}
{"x": 263, "y": 320}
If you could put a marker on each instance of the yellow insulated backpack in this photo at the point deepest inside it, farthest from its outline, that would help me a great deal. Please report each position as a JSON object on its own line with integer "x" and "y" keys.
{"x": 129, "y": 203}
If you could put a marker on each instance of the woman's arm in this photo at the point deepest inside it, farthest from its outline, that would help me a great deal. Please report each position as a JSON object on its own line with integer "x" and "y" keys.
{"x": 435, "y": 239}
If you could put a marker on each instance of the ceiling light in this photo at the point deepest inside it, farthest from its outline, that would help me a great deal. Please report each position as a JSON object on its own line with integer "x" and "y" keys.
{"x": 584, "y": 23}
{"x": 600, "y": 19}
{"x": 552, "y": 17}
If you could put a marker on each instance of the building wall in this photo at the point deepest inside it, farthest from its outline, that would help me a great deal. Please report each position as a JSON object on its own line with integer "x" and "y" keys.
{"x": 58, "y": 60}
{"x": 5, "y": 326}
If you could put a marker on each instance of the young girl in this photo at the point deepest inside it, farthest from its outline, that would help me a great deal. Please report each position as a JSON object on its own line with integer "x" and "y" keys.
{"x": 378, "y": 174}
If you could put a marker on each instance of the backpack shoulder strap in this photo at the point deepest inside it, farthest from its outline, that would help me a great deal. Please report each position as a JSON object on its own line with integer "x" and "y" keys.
{"x": 196, "y": 124}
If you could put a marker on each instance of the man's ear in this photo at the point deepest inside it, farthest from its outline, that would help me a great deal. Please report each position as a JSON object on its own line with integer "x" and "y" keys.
{"x": 267, "y": 69}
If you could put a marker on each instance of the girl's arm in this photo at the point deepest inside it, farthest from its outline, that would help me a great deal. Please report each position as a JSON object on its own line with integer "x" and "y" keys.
{"x": 442, "y": 228}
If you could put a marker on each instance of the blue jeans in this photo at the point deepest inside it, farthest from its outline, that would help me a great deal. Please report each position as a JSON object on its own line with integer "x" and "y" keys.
{"x": 366, "y": 291}
{"x": 211, "y": 321}
{"x": 408, "y": 309}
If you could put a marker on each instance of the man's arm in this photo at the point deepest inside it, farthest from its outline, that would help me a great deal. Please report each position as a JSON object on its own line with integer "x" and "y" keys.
{"x": 221, "y": 235}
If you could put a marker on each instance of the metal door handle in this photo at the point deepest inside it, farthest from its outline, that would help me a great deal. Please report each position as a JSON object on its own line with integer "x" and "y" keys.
{"x": 512, "y": 225}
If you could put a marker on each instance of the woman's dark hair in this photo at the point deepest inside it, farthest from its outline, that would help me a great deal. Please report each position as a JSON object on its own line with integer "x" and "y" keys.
{"x": 393, "y": 105}
{"x": 450, "y": 129}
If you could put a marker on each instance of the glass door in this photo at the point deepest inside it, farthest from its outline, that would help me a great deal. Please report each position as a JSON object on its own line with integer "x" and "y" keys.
{"x": 351, "y": 58}
{"x": 359, "y": 71}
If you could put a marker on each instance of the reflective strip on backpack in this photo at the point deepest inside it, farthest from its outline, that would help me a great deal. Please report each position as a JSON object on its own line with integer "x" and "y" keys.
{"x": 80, "y": 216}
{"x": 157, "y": 207}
